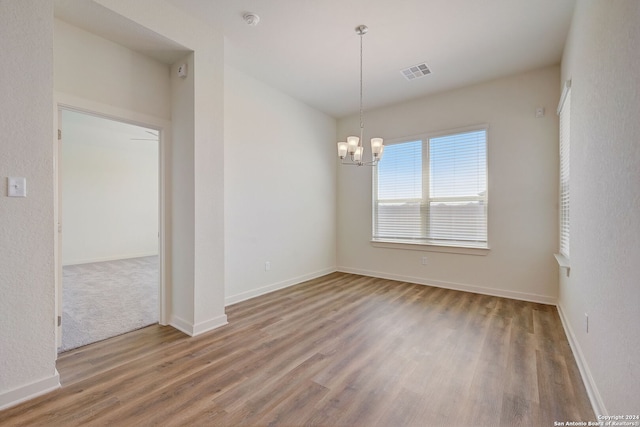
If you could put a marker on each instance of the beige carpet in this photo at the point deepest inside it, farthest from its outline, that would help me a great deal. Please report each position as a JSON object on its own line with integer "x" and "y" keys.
{"x": 105, "y": 299}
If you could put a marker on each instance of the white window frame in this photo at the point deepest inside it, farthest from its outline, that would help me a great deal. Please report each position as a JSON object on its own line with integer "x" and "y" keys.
{"x": 458, "y": 247}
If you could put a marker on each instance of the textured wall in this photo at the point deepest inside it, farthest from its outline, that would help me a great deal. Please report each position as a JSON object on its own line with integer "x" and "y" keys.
{"x": 523, "y": 189}
{"x": 602, "y": 60}
{"x": 280, "y": 176}
{"x": 27, "y": 344}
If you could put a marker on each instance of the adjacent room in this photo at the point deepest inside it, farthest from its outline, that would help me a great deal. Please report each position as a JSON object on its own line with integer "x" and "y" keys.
{"x": 108, "y": 175}
{"x": 345, "y": 213}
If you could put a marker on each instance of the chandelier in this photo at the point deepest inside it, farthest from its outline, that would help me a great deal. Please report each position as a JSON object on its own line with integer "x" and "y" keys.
{"x": 353, "y": 146}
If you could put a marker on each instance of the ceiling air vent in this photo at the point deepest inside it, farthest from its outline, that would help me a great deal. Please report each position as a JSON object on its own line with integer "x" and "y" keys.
{"x": 416, "y": 71}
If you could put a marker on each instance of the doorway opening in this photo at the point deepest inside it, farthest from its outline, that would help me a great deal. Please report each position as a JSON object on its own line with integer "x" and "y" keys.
{"x": 109, "y": 227}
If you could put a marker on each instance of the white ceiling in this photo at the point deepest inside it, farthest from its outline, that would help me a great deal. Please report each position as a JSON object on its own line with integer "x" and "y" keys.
{"x": 309, "y": 49}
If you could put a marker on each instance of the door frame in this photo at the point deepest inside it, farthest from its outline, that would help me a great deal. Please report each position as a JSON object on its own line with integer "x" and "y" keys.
{"x": 64, "y": 101}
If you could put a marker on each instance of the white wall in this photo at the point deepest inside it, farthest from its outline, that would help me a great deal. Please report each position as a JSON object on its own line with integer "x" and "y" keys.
{"x": 601, "y": 58}
{"x": 27, "y": 306}
{"x": 523, "y": 189}
{"x": 94, "y": 68}
{"x": 109, "y": 190}
{"x": 183, "y": 193}
{"x": 197, "y": 157}
{"x": 280, "y": 177}
{"x": 27, "y": 343}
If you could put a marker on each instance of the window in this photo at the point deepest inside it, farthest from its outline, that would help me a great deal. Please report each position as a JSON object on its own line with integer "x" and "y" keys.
{"x": 564, "y": 111}
{"x": 433, "y": 191}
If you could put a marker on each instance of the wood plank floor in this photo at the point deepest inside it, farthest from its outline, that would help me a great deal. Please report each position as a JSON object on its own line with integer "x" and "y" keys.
{"x": 341, "y": 350}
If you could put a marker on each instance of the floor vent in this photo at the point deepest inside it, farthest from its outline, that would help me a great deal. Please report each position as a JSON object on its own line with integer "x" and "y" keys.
{"x": 416, "y": 71}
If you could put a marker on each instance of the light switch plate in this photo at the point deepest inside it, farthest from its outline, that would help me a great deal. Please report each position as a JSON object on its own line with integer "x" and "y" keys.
{"x": 17, "y": 186}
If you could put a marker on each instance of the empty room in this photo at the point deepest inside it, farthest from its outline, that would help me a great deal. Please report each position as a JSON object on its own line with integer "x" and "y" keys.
{"x": 360, "y": 213}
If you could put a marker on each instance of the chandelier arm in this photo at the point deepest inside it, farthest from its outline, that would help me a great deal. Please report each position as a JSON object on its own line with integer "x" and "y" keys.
{"x": 352, "y": 163}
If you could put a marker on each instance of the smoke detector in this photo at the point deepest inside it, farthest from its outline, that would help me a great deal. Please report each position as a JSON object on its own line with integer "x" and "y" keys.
{"x": 416, "y": 71}
{"x": 251, "y": 19}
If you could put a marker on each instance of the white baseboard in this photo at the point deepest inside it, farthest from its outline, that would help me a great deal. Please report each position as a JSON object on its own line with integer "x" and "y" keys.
{"x": 209, "y": 325}
{"x": 523, "y": 296}
{"x": 29, "y": 391}
{"x": 276, "y": 286}
{"x": 199, "y": 328}
{"x": 181, "y": 325}
{"x": 592, "y": 390}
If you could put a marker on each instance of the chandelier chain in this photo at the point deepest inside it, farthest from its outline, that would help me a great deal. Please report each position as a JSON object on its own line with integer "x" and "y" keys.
{"x": 361, "y": 119}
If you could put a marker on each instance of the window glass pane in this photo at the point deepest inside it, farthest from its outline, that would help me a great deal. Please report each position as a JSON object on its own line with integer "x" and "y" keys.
{"x": 433, "y": 191}
{"x": 458, "y": 187}
{"x": 458, "y": 165}
{"x": 400, "y": 172}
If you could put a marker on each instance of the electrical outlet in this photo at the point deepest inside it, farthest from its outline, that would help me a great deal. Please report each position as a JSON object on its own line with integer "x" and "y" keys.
{"x": 267, "y": 266}
{"x": 424, "y": 260}
{"x": 586, "y": 322}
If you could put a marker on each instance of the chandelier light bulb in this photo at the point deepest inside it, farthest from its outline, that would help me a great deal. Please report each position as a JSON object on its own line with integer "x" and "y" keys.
{"x": 376, "y": 146}
{"x": 357, "y": 156}
{"x": 352, "y": 143}
{"x": 342, "y": 150}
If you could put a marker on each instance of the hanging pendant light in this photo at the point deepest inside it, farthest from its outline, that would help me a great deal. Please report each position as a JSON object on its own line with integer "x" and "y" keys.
{"x": 352, "y": 149}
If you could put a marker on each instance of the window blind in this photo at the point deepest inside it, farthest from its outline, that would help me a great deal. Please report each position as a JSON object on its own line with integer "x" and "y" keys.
{"x": 433, "y": 191}
{"x": 565, "y": 112}
{"x": 458, "y": 187}
{"x": 399, "y": 192}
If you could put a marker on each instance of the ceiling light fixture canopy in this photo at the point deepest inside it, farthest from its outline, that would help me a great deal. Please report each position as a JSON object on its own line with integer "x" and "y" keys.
{"x": 353, "y": 146}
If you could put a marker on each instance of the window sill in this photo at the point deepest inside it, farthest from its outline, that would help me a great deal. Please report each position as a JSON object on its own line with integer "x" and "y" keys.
{"x": 431, "y": 247}
{"x": 563, "y": 262}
